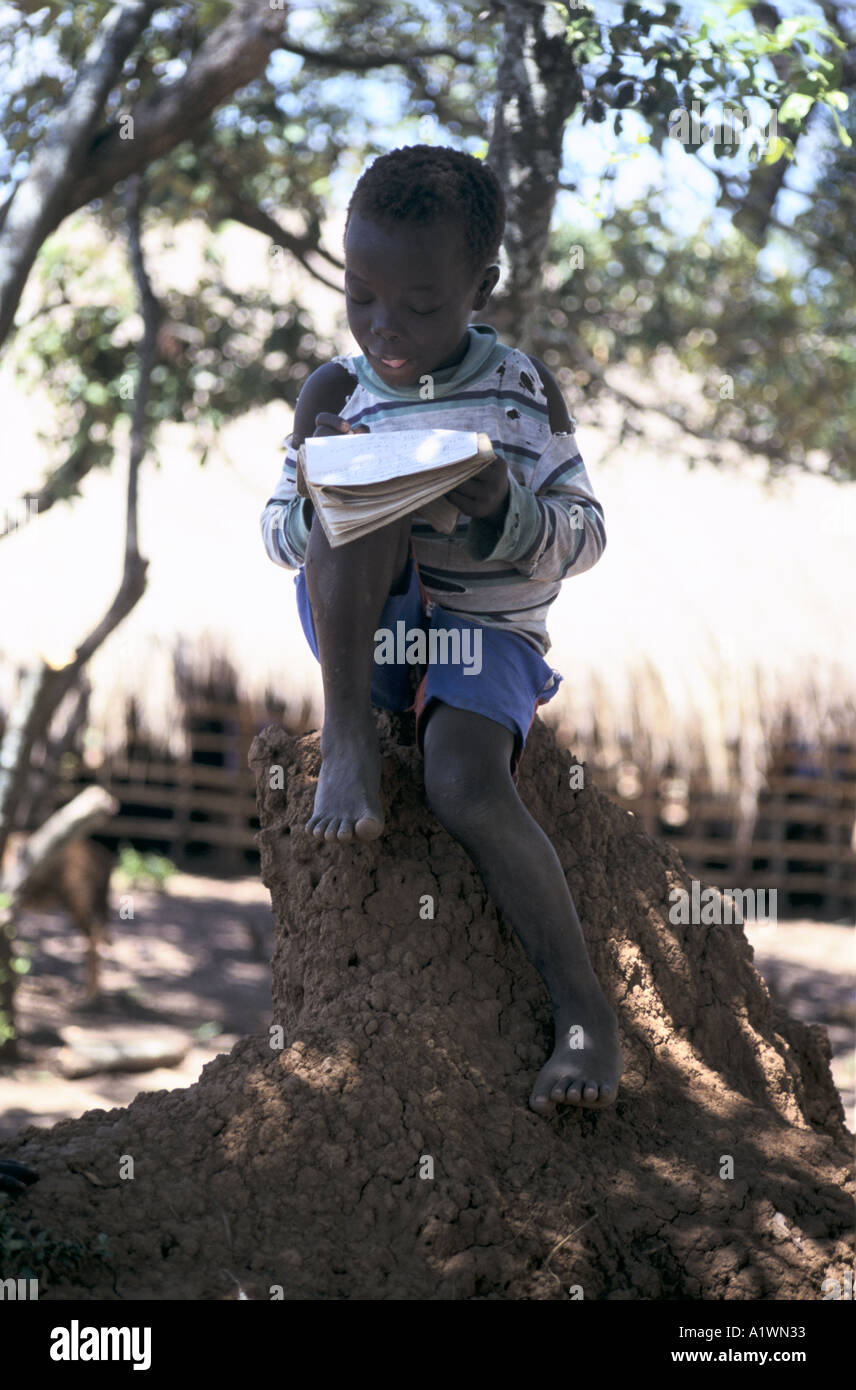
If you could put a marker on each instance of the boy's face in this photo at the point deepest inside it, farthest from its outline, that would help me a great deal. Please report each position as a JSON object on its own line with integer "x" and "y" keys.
{"x": 410, "y": 295}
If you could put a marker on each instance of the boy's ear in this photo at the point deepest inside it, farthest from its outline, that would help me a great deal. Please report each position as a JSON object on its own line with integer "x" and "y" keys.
{"x": 487, "y": 285}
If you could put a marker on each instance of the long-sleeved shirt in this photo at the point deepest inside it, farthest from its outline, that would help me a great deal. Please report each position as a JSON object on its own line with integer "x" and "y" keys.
{"x": 505, "y": 576}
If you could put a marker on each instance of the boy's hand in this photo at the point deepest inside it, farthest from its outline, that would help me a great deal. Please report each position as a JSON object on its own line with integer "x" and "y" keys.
{"x": 485, "y": 494}
{"x": 325, "y": 424}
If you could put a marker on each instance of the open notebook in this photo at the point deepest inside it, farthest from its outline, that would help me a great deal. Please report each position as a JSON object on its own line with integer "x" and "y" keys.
{"x": 360, "y": 482}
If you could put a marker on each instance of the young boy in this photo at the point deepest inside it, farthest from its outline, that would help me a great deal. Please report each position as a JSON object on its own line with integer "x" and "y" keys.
{"x": 422, "y": 236}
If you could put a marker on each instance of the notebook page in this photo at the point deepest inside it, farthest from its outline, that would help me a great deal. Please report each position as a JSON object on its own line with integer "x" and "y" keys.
{"x": 355, "y": 459}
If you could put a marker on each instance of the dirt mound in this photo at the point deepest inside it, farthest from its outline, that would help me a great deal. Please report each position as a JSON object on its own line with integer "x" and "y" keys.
{"x": 386, "y": 1149}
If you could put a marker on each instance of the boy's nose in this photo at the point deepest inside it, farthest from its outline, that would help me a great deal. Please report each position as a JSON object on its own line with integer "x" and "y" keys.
{"x": 389, "y": 347}
{"x": 386, "y": 330}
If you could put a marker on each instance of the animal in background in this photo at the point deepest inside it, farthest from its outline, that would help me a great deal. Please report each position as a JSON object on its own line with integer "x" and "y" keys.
{"x": 76, "y": 880}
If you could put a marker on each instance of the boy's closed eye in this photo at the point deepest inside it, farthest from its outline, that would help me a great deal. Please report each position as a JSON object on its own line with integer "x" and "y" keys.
{"x": 422, "y": 313}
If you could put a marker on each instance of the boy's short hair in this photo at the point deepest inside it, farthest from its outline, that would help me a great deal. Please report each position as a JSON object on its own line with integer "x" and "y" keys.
{"x": 424, "y": 183}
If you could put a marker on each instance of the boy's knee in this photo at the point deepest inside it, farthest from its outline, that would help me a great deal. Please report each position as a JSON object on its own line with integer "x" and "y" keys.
{"x": 457, "y": 802}
{"x": 462, "y": 791}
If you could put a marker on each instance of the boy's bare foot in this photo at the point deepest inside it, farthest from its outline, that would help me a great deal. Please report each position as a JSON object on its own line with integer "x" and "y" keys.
{"x": 585, "y": 1075}
{"x": 347, "y": 799}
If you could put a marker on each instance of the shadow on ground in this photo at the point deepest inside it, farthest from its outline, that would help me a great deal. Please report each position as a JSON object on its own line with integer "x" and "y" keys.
{"x": 192, "y": 963}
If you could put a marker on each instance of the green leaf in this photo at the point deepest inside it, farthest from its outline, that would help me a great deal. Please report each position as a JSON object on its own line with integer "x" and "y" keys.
{"x": 796, "y": 106}
{"x": 843, "y": 135}
{"x": 838, "y": 99}
{"x": 776, "y": 147}
{"x": 789, "y": 28}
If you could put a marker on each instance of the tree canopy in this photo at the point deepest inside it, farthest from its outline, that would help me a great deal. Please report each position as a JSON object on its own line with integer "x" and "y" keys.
{"x": 254, "y": 114}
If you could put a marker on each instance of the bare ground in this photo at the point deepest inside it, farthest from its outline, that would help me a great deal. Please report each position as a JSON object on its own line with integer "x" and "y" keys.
{"x": 193, "y": 964}
{"x": 196, "y": 958}
{"x": 721, "y": 1173}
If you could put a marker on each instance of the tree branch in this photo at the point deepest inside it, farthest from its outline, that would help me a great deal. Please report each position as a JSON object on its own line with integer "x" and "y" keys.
{"x": 19, "y": 735}
{"x": 364, "y": 62}
{"x": 45, "y": 686}
{"x": 41, "y": 199}
{"x": 569, "y": 341}
{"x": 810, "y": 240}
{"x": 229, "y": 58}
{"x": 424, "y": 88}
{"x": 232, "y": 56}
{"x": 242, "y": 210}
{"x": 38, "y": 801}
{"x": 152, "y": 314}
{"x": 57, "y": 488}
{"x": 71, "y": 168}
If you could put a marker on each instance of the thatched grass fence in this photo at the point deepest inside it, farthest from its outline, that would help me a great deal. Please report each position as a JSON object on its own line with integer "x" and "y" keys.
{"x": 797, "y": 839}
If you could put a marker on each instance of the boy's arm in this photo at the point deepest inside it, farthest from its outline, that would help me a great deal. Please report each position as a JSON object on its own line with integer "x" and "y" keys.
{"x": 287, "y": 517}
{"x": 553, "y": 527}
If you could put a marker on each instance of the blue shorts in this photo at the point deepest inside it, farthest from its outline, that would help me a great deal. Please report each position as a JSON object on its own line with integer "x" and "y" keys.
{"x": 474, "y": 667}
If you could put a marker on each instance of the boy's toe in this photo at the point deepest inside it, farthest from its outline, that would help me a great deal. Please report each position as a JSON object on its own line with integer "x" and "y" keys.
{"x": 368, "y": 828}
{"x": 540, "y": 1103}
{"x": 573, "y": 1095}
{"x": 591, "y": 1093}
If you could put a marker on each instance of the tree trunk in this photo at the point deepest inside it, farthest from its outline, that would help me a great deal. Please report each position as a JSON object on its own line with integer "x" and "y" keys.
{"x": 383, "y": 1148}
{"x": 538, "y": 89}
{"x": 766, "y": 181}
{"x": 44, "y": 688}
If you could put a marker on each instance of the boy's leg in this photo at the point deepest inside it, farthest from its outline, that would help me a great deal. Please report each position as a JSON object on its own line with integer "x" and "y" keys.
{"x": 469, "y": 786}
{"x": 348, "y": 586}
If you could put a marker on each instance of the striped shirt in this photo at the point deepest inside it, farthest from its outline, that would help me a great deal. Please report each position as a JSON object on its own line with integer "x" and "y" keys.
{"x": 504, "y": 577}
